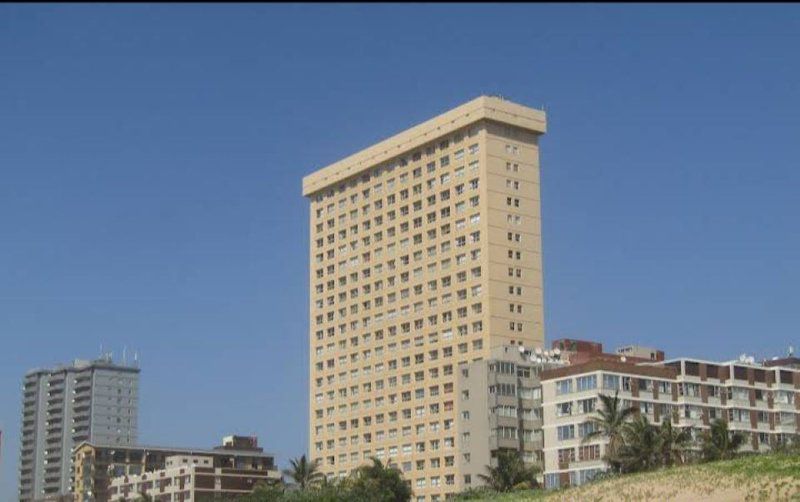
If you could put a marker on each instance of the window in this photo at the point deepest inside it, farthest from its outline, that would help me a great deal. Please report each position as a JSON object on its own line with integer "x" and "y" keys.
{"x": 611, "y": 382}
{"x": 586, "y": 405}
{"x": 591, "y": 452}
{"x": 586, "y": 383}
{"x": 585, "y": 428}
{"x": 563, "y": 387}
{"x": 566, "y": 455}
{"x": 566, "y": 432}
{"x": 564, "y": 409}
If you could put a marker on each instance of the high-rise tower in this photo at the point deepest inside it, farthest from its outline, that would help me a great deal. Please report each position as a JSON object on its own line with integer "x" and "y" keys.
{"x": 425, "y": 254}
{"x": 63, "y": 406}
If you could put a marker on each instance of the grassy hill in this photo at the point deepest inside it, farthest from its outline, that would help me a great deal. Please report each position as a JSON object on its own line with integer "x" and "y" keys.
{"x": 754, "y": 478}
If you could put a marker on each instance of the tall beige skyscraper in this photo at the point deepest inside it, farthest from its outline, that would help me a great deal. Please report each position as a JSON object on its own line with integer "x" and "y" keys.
{"x": 425, "y": 254}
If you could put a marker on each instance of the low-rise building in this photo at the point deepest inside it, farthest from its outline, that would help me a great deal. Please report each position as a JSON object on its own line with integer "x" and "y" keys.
{"x": 97, "y": 464}
{"x": 759, "y": 401}
{"x": 188, "y": 478}
{"x": 640, "y": 353}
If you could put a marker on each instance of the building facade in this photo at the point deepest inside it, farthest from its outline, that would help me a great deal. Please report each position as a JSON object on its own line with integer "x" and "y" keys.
{"x": 760, "y": 401}
{"x": 187, "y": 478}
{"x": 96, "y": 465}
{"x": 63, "y": 406}
{"x": 425, "y": 253}
{"x": 499, "y": 406}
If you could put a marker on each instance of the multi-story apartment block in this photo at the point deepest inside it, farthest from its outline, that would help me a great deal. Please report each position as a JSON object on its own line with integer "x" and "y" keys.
{"x": 187, "y": 478}
{"x": 425, "y": 254}
{"x": 86, "y": 401}
{"x": 96, "y": 465}
{"x": 759, "y": 401}
{"x": 499, "y": 407}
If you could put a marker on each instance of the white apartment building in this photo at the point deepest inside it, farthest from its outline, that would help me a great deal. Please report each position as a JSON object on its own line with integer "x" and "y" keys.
{"x": 758, "y": 400}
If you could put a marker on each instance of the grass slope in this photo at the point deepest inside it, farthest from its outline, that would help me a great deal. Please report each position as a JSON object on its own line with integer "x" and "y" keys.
{"x": 754, "y": 478}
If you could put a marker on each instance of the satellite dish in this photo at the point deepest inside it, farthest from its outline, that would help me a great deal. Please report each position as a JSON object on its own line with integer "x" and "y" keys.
{"x": 623, "y": 359}
{"x": 556, "y": 351}
{"x": 521, "y": 349}
{"x": 538, "y": 350}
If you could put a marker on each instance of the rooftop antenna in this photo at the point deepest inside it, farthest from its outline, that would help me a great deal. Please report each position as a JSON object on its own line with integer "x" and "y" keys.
{"x": 791, "y": 351}
{"x": 136, "y": 359}
{"x": 124, "y": 355}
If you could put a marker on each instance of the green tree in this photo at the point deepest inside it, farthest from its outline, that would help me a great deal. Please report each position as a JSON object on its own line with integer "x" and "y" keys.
{"x": 608, "y": 424}
{"x": 509, "y": 473}
{"x": 640, "y": 446}
{"x": 264, "y": 492}
{"x": 304, "y": 473}
{"x": 674, "y": 443}
{"x": 719, "y": 443}
{"x": 376, "y": 482}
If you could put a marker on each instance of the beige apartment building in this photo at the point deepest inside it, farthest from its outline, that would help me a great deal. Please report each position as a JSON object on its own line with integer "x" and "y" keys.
{"x": 188, "y": 478}
{"x": 97, "y": 465}
{"x": 425, "y": 253}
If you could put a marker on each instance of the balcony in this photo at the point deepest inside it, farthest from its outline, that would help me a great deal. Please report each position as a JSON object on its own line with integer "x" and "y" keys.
{"x": 503, "y": 443}
{"x": 82, "y": 391}
{"x": 778, "y": 406}
{"x": 55, "y": 403}
{"x": 54, "y": 388}
{"x": 81, "y": 407}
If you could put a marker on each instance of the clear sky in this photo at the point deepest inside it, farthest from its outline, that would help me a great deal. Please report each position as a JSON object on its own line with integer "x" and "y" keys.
{"x": 150, "y": 181}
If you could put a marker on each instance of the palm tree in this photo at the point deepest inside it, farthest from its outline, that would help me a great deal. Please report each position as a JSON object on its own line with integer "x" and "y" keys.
{"x": 377, "y": 482}
{"x": 608, "y": 424}
{"x": 510, "y": 473}
{"x": 719, "y": 443}
{"x": 640, "y": 445}
{"x": 306, "y": 474}
{"x": 673, "y": 443}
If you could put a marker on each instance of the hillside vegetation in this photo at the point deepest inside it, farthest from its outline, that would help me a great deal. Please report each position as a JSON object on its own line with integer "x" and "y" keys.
{"x": 773, "y": 477}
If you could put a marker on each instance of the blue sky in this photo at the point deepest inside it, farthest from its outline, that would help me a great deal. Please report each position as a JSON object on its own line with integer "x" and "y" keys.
{"x": 151, "y": 159}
